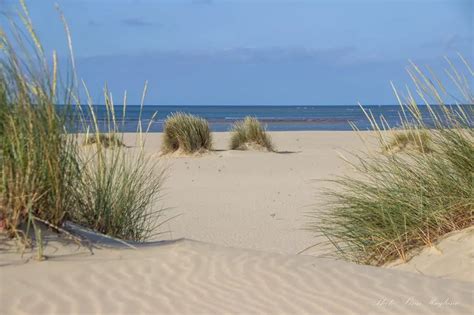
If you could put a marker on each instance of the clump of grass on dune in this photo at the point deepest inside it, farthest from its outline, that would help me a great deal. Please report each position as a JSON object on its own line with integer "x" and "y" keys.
{"x": 119, "y": 188}
{"x": 250, "y": 133}
{"x": 409, "y": 139}
{"x": 46, "y": 177}
{"x": 186, "y": 133}
{"x": 398, "y": 203}
{"x": 38, "y": 165}
{"x": 104, "y": 139}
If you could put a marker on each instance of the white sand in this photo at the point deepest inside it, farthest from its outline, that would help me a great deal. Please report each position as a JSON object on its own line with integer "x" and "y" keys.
{"x": 188, "y": 277}
{"x": 451, "y": 258}
{"x": 252, "y": 199}
{"x": 249, "y": 209}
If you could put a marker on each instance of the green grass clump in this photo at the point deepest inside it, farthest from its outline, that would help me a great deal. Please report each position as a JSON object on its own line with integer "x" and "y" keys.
{"x": 398, "y": 203}
{"x": 409, "y": 140}
{"x": 120, "y": 187}
{"x": 186, "y": 133}
{"x": 46, "y": 176}
{"x": 38, "y": 165}
{"x": 250, "y": 133}
{"x": 104, "y": 139}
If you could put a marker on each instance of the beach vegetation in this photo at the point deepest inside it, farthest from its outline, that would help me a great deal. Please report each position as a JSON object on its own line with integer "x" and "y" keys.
{"x": 409, "y": 139}
{"x": 250, "y": 134}
{"x": 119, "y": 188}
{"x": 397, "y": 203}
{"x": 107, "y": 140}
{"x": 186, "y": 133}
{"x": 47, "y": 178}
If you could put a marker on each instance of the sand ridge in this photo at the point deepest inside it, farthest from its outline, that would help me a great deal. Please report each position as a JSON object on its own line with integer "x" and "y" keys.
{"x": 189, "y": 277}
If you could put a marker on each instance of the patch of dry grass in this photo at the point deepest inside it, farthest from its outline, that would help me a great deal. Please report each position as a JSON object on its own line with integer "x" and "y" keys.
{"x": 250, "y": 134}
{"x": 410, "y": 140}
{"x": 187, "y": 134}
{"x": 107, "y": 140}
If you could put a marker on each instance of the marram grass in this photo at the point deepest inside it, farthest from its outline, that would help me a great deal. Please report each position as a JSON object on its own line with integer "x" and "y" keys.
{"x": 107, "y": 140}
{"x": 250, "y": 133}
{"x": 46, "y": 175}
{"x": 409, "y": 140}
{"x": 38, "y": 164}
{"x": 398, "y": 203}
{"x": 186, "y": 133}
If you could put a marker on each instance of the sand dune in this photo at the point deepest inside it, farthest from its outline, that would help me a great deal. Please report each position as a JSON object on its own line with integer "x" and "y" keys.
{"x": 452, "y": 257}
{"x": 188, "y": 277}
{"x": 251, "y": 207}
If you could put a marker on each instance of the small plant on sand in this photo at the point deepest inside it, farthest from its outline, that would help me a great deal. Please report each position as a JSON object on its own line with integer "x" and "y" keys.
{"x": 398, "y": 203}
{"x": 250, "y": 133}
{"x": 186, "y": 133}
{"x": 409, "y": 140}
{"x": 104, "y": 139}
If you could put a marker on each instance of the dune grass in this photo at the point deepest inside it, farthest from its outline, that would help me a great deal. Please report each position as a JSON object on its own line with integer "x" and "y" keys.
{"x": 119, "y": 187}
{"x": 107, "y": 140}
{"x": 38, "y": 167}
{"x": 409, "y": 139}
{"x": 398, "y": 203}
{"x": 46, "y": 176}
{"x": 186, "y": 133}
{"x": 250, "y": 134}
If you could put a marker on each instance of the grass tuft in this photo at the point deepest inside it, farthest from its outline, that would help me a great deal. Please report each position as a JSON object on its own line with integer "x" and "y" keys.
{"x": 250, "y": 134}
{"x": 104, "y": 139}
{"x": 46, "y": 176}
{"x": 398, "y": 203}
{"x": 409, "y": 140}
{"x": 186, "y": 133}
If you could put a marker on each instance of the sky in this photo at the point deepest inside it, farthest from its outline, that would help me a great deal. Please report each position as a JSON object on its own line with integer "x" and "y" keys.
{"x": 254, "y": 52}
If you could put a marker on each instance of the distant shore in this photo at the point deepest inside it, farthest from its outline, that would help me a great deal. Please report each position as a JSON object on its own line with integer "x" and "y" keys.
{"x": 276, "y": 118}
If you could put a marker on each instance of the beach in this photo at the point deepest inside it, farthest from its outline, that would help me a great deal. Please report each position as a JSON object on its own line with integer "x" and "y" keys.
{"x": 236, "y": 157}
{"x": 253, "y": 199}
{"x": 238, "y": 222}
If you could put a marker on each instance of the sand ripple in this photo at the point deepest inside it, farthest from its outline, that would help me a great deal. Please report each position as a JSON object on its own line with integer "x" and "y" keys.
{"x": 189, "y": 277}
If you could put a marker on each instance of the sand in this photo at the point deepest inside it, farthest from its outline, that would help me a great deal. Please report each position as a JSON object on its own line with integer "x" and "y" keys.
{"x": 189, "y": 277}
{"x": 253, "y": 199}
{"x": 452, "y": 257}
{"x": 233, "y": 249}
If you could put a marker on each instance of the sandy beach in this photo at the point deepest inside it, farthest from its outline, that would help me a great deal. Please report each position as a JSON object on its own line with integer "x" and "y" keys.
{"x": 233, "y": 248}
{"x": 252, "y": 199}
{"x": 236, "y": 157}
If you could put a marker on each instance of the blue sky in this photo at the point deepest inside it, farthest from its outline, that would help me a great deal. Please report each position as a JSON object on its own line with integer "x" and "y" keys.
{"x": 254, "y": 51}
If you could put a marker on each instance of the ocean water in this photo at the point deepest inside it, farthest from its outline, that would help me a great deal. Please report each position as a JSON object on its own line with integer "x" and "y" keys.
{"x": 276, "y": 118}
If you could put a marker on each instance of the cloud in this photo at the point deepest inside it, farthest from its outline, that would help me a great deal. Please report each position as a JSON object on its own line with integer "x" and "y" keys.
{"x": 453, "y": 42}
{"x": 337, "y": 56}
{"x": 135, "y": 22}
{"x": 279, "y": 54}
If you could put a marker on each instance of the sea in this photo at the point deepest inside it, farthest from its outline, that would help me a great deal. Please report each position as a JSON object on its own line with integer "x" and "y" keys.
{"x": 275, "y": 118}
